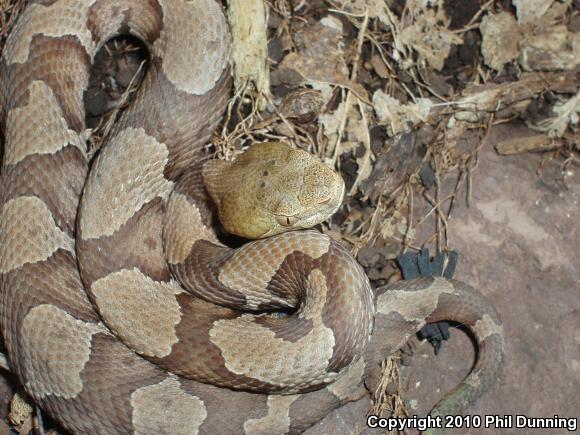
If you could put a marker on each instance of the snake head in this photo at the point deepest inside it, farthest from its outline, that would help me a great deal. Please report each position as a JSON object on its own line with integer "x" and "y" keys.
{"x": 272, "y": 188}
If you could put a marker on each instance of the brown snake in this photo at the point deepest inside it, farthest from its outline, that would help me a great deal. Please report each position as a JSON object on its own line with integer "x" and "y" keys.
{"x": 96, "y": 324}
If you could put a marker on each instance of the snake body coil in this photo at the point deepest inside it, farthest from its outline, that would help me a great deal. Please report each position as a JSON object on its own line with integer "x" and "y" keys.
{"x": 120, "y": 310}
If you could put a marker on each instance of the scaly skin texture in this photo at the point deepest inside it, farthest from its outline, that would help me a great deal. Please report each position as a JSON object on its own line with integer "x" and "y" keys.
{"x": 272, "y": 188}
{"x": 120, "y": 310}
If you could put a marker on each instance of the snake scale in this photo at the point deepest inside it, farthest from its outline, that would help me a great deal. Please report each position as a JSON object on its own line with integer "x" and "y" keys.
{"x": 121, "y": 311}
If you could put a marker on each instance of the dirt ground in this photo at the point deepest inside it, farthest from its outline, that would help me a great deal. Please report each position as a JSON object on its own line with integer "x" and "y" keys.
{"x": 455, "y": 126}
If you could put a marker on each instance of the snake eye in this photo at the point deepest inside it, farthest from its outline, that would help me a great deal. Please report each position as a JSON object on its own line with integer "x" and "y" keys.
{"x": 286, "y": 221}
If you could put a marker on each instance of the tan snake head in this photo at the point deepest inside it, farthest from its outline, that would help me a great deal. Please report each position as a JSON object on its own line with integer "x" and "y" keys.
{"x": 272, "y": 188}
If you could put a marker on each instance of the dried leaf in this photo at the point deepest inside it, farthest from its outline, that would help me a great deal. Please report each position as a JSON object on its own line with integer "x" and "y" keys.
{"x": 501, "y": 38}
{"x": 379, "y": 66}
{"x": 302, "y": 105}
{"x": 530, "y": 11}
{"x": 551, "y": 49}
{"x": 428, "y": 34}
{"x": 359, "y": 129}
{"x": 320, "y": 56}
{"x": 400, "y": 117}
{"x": 396, "y": 225}
{"x": 567, "y": 114}
{"x": 331, "y": 121}
{"x": 376, "y": 8}
{"x": 539, "y": 41}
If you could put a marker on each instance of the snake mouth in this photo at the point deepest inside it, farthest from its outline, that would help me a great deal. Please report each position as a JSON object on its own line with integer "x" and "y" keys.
{"x": 340, "y": 189}
{"x": 325, "y": 209}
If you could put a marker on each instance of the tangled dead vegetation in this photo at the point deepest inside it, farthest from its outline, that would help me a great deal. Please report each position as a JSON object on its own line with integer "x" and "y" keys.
{"x": 400, "y": 95}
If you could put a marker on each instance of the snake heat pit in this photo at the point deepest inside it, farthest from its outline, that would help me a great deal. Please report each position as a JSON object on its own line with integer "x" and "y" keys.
{"x": 121, "y": 311}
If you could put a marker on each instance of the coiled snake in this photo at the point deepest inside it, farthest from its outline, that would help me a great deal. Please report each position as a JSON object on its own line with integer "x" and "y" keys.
{"x": 120, "y": 309}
